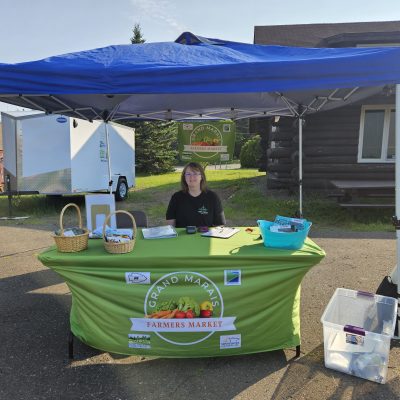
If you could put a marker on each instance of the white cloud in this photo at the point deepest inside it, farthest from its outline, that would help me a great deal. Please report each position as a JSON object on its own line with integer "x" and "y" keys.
{"x": 160, "y": 12}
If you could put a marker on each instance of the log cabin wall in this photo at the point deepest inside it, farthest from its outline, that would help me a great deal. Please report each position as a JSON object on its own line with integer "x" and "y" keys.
{"x": 330, "y": 150}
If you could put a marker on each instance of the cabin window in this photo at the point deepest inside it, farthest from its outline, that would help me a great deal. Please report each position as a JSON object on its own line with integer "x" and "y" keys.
{"x": 377, "y": 133}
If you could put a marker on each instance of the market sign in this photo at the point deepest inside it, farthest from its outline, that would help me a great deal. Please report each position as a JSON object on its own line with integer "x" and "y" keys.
{"x": 194, "y": 288}
{"x": 206, "y": 141}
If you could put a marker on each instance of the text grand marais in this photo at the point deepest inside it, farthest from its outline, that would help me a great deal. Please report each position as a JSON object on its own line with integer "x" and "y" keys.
{"x": 175, "y": 280}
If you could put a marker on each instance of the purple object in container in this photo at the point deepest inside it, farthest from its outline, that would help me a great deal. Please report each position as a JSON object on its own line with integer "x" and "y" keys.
{"x": 366, "y": 294}
{"x": 354, "y": 329}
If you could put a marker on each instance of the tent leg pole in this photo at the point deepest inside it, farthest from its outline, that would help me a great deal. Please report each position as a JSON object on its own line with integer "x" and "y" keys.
{"x": 110, "y": 182}
{"x": 8, "y": 182}
{"x": 397, "y": 179}
{"x": 396, "y": 275}
{"x": 301, "y": 167}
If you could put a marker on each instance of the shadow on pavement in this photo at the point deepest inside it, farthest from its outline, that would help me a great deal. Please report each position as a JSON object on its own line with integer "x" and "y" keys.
{"x": 307, "y": 378}
{"x": 161, "y": 378}
{"x": 34, "y": 310}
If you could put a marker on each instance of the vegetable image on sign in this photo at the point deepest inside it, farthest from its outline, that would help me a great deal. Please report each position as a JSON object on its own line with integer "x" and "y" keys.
{"x": 204, "y": 139}
{"x": 211, "y": 141}
{"x": 205, "y": 313}
{"x": 180, "y": 314}
{"x": 179, "y": 318}
{"x": 206, "y": 305}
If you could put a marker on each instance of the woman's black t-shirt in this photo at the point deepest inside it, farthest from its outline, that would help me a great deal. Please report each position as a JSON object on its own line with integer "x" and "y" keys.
{"x": 203, "y": 210}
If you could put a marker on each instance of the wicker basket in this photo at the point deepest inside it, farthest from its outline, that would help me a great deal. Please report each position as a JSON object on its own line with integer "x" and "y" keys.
{"x": 119, "y": 248}
{"x": 71, "y": 244}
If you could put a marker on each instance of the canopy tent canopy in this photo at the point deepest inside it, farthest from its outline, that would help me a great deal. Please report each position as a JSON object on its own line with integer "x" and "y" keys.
{"x": 196, "y": 77}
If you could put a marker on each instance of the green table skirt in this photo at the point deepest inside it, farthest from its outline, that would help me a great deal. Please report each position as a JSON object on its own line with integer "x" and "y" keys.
{"x": 254, "y": 293}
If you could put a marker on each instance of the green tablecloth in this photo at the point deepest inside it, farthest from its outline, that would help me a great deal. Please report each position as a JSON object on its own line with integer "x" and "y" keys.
{"x": 254, "y": 290}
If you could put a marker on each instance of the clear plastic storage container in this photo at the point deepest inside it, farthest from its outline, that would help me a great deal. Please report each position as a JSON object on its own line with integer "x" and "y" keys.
{"x": 358, "y": 327}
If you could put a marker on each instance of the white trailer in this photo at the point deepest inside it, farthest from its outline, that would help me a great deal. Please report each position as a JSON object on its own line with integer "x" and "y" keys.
{"x": 54, "y": 154}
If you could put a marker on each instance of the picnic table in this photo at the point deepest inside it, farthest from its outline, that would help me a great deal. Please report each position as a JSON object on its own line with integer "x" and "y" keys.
{"x": 349, "y": 192}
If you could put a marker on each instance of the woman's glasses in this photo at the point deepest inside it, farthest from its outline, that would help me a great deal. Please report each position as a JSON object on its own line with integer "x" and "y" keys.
{"x": 192, "y": 174}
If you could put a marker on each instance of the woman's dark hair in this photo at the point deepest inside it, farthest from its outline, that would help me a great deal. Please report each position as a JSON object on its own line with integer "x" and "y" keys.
{"x": 194, "y": 166}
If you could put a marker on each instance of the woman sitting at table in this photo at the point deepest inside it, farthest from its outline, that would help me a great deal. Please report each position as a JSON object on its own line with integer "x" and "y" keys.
{"x": 194, "y": 205}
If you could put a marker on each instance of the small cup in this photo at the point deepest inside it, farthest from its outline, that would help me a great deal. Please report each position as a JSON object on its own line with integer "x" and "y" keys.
{"x": 190, "y": 229}
{"x": 202, "y": 229}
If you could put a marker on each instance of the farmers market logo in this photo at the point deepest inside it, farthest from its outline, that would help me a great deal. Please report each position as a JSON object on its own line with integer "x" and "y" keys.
{"x": 183, "y": 308}
{"x": 205, "y": 141}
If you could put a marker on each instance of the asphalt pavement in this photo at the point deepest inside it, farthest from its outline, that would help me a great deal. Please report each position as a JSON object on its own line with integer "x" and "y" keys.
{"x": 34, "y": 317}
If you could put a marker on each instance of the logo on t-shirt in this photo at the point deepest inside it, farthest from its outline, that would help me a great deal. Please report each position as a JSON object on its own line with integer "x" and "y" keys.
{"x": 202, "y": 210}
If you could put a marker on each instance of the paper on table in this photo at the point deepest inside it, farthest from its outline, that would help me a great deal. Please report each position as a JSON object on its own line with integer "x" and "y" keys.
{"x": 222, "y": 232}
{"x": 159, "y": 232}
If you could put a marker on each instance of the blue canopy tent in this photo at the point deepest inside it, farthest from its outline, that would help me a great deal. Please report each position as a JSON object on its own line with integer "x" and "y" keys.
{"x": 193, "y": 76}
{"x": 196, "y": 77}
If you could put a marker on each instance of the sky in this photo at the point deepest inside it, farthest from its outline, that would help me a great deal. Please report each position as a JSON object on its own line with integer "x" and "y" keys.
{"x": 31, "y": 30}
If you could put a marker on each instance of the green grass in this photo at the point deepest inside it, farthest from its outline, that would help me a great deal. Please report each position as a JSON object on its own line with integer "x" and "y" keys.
{"x": 243, "y": 193}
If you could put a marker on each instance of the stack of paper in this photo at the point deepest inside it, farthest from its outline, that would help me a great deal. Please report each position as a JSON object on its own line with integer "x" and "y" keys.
{"x": 223, "y": 232}
{"x": 119, "y": 235}
{"x": 159, "y": 232}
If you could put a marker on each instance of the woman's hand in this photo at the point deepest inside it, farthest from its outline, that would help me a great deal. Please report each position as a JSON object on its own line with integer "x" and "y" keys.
{"x": 171, "y": 222}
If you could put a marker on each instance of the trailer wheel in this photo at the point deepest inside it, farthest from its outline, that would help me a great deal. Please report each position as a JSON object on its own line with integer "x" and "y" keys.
{"x": 122, "y": 190}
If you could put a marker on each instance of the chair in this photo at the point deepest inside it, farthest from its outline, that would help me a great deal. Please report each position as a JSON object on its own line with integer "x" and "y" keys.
{"x": 123, "y": 220}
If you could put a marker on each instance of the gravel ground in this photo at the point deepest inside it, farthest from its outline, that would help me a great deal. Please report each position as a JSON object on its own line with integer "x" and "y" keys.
{"x": 34, "y": 310}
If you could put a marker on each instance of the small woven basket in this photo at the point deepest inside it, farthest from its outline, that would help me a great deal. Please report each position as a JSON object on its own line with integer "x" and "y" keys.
{"x": 119, "y": 248}
{"x": 71, "y": 244}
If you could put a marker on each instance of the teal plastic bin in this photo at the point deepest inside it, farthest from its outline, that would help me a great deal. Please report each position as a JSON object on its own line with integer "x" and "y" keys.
{"x": 284, "y": 240}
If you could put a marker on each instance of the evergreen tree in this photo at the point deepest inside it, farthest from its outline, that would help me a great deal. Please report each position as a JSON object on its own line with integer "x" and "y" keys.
{"x": 251, "y": 153}
{"x": 137, "y": 37}
{"x": 155, "y": 142}
{"x": 156, "y": 146}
